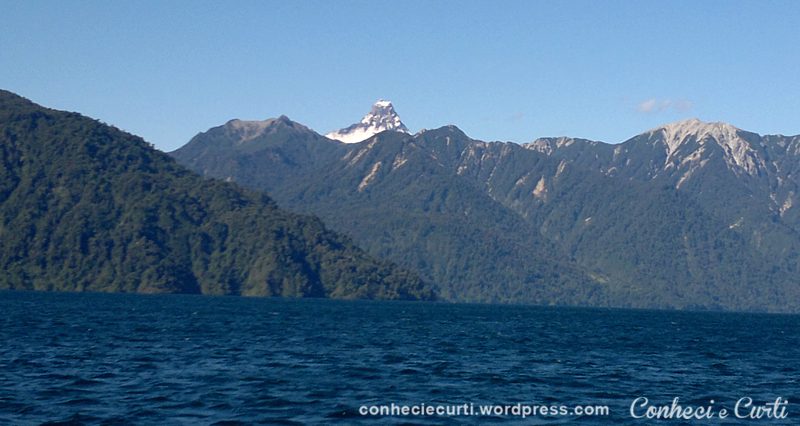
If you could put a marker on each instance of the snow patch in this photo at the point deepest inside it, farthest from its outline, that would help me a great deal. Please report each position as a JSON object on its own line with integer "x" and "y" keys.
{"x": 353, "y": 136}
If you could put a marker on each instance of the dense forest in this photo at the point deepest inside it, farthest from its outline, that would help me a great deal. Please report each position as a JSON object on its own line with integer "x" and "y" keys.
{"x": 561, "y": 221}
{"x": 87, "y": 207}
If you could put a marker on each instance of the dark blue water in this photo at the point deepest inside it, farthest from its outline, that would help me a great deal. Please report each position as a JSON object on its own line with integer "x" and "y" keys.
{"x": 117, "y": 359}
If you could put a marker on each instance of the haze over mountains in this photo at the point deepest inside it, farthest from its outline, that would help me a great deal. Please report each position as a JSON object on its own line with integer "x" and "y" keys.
{"x": 688, "y": 215}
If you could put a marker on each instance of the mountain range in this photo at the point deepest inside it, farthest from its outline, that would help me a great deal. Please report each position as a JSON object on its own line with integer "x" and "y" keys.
{"x": 690, "y": 215}
{"x": 87, "y": 207}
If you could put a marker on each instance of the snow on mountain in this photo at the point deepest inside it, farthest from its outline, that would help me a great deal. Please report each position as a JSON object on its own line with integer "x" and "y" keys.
{"x": 381, "y": 117}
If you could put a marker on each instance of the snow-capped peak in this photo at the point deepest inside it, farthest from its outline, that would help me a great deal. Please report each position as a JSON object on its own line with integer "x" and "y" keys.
{"x": 383, "y": 104}
{"x": 381, "y": 117}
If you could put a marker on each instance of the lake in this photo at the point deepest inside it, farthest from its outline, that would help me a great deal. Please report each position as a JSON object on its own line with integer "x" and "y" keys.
{"x": 175, "y": 359}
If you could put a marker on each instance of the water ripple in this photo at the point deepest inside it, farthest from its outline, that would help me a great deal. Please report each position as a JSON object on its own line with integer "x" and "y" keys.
{"x": 127, "y": 359}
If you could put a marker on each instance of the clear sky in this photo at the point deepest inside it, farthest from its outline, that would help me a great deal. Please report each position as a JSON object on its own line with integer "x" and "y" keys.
{"x": 499, "y": 70}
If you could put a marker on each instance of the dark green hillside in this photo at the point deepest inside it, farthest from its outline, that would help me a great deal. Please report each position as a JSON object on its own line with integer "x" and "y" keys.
{"x": 561, "y": 221}
{"x": 87, "y": 207}
{"x": 412, "y": 210}
{"x": 239, "y": 146}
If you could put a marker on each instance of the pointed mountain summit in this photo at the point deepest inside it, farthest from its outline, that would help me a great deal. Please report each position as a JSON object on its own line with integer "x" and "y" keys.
{"x": 381, "y": 117}
{"x": 87, "y": 207}
{"x": 687, "y": 215}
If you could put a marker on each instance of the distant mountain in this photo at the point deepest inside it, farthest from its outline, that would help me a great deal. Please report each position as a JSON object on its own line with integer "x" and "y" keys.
{"x": 749, "y": 182}
{"x": 87, "y": 207}
{"x": 690, "y": 215}
{"x": 293, "y": 148}
{"x": 381, "y": 118}
{"x": 423, "y": 217}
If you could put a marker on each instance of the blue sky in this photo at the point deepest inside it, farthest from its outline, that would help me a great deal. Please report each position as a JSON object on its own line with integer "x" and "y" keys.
{"x": 514, "y": 71}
